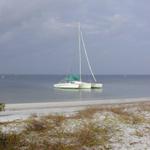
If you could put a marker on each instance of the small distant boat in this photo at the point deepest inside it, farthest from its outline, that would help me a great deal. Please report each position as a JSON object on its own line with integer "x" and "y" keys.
{"x": 75, "y": 82}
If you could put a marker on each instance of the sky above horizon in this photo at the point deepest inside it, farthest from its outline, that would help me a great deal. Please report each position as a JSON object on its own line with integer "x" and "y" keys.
{"x": 40, "y": 37}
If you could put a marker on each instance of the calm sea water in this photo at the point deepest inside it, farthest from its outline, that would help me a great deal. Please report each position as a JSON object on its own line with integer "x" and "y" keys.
{"x": 39, "y": 88}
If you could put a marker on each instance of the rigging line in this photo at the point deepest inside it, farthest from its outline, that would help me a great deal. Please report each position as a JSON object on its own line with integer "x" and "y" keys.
{"x": 90, "y": 68}
{"x": 80, "y": 61}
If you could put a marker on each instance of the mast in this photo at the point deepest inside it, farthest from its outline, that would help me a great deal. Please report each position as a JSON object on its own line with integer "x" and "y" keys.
{"x": 79, "y": 40}
{"x": 85, "y": 51}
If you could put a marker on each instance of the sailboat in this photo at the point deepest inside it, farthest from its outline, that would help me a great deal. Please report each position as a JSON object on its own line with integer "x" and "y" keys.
{"x": 75, "y": 82}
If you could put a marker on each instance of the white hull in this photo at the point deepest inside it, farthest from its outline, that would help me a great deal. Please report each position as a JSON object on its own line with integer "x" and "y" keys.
{"x": 73, "y": 85}
{"x": 83, "y": 85}
{"x": 66, "y": 86}
{"x": 79, "y": 85}
{"x": 96, "y": 85}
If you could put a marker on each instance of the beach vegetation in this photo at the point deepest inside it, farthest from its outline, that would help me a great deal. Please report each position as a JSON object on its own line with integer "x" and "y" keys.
{"x": 138, "y": 133}
{"x": 144, "y": 107}
{"x": 87, "y": 113}
{"x": 2, "y": 106}
{"x": 36, "y": 125}
{"x": 91, "y": 134}
{"x": 91, "y": 128}
{"x": 9, "y": 141}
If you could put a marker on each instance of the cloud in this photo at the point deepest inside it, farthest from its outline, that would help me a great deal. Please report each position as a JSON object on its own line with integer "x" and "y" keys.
{"x": 43, "y": 30}
{"x": 117, "y": 20}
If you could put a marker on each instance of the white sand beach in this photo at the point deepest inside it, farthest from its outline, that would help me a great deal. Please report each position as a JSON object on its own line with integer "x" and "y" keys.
{"x": 24, "y": 110}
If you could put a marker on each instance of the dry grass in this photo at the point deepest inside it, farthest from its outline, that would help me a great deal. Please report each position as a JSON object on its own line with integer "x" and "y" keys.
{"x": 38, "y": 135}
{"x": 44, "y": 123}
{"x": 145, "y": 106}
{"x": 138, "y": 133}
{"x": 8, "y": 122}
{"x": 91, "y": 134}
{"x": 127, "y": 117}
{"x": 9, "y": 141}
{"x": 120, "y": 111}
{"x": 49, "y": 132}
{"x": 87, "y": 113}
{"x": 36, "y": 125}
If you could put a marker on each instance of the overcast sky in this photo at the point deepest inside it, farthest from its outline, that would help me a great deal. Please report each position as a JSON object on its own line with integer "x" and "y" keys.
{"x": 40, "y": 36}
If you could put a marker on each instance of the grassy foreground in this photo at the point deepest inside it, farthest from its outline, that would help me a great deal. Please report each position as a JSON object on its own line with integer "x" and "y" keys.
{"x": 100, "y": 127}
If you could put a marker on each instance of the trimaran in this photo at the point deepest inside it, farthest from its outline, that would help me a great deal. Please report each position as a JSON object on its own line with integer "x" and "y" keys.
{"x": 75, "y": 82}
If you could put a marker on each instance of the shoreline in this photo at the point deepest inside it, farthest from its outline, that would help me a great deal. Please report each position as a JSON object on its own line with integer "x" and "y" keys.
{"x": 41, "y": 105}
{"x": 24, "y": 110}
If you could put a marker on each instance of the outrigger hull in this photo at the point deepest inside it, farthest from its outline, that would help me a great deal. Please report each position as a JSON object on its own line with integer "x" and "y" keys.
{"x": 96, "y": 85}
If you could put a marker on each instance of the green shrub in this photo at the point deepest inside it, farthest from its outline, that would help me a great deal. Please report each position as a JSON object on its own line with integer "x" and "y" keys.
{"x": 2, "y": 106}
